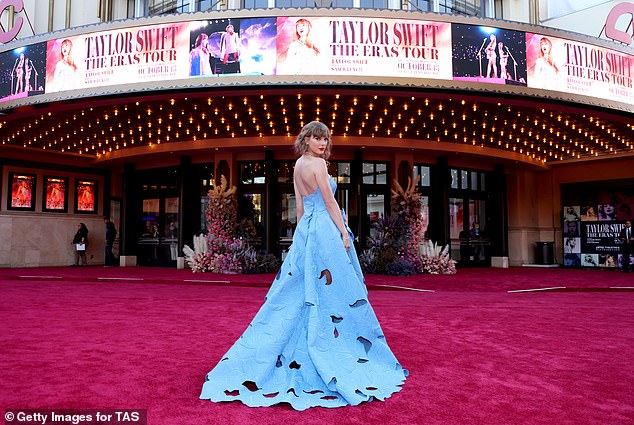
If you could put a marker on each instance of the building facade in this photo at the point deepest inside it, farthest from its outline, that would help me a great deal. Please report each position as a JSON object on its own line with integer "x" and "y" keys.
{"x": 135, "y": 109}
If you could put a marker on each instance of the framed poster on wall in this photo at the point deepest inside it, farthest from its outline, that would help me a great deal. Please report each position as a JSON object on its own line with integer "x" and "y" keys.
{"x": 21, "y": 191}
{"x": 85, "y": 196}
{"x": 55, "y": 194}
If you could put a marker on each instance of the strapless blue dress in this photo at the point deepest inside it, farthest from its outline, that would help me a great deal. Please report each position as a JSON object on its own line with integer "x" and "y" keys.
{"x": 316, "y": 340}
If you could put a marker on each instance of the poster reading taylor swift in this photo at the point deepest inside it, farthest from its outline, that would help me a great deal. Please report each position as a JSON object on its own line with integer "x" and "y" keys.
{"x": 591, "y": 228}
{"x": 573, "y": 67}
{"x": 122, "y": 56}
{"x": 597, "y": 240}
{"x": 491, "y": 55}
{"x": 22, "y": 72}
{"x": 232, "y": 46}
{"x": 601, "y": 238}
{"x": 363, "y": 46}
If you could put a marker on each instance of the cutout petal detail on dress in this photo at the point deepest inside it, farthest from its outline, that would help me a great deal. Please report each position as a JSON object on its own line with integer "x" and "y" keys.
{"x": 358, "y": 303}
{"x": 328, "y": 276}
{"x": 366, "y": 343}
{"x": 250, "y": 385}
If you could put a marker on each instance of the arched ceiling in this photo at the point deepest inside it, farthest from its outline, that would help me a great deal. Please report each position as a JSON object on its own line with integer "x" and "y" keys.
{"x": 535, "y": 130}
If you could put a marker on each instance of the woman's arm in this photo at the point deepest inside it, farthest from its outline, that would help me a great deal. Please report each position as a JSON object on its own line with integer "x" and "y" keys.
{"x": 299, "y": 203}
{"x": 321, "y": 175}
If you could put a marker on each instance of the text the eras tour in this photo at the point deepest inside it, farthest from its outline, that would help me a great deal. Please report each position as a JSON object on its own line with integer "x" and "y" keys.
{"x": 598, "y": 64}
{"x": 384, "y": 39}
{"x": 150, "y": 45}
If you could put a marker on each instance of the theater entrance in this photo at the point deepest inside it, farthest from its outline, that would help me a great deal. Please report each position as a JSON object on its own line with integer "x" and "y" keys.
{"x": 158, "y": 222}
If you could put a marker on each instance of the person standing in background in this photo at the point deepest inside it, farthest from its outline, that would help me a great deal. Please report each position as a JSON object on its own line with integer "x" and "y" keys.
{"x": 111, "y": 234}
{"x": 80, "y": 240}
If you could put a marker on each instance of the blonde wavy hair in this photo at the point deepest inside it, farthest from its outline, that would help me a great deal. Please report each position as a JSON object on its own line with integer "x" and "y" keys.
{"x": 313, "y": 128}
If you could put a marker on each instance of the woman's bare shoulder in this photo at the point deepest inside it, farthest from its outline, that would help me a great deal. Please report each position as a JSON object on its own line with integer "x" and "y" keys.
{"x": 312, "y": 164}
{"x": 318, "y": 164}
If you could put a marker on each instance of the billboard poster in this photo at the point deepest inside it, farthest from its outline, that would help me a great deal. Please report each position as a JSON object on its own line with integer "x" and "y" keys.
{"x": 363, "y": 46}
{"x": 578, "y": 68}
{"x": 489, "y": 55}
{"x": 232, "y": 46}
{"x": 22, "y": 72}
{"x": 123, "y": 56}
{"x": 21, "y": 189}
{"x": 55, "y": 197}
{"x": 85, "y": 196}
{"x": 593, "y": 216}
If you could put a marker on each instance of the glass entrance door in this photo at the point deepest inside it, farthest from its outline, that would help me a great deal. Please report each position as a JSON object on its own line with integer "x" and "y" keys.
{"x": 251, "y": 219}
{"x": 469, "y": 240}
{"x": 288, "y": 216}
{"x": 478, "y": 240}
{"x": 457, "y": 231}
{"x": 158, "y": 240}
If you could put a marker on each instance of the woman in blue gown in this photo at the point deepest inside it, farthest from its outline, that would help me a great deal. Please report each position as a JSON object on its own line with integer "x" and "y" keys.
{"x": 316, "y": 340}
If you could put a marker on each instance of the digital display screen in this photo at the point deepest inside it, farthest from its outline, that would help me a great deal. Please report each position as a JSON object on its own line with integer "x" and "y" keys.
{"x": 356, "y": 46}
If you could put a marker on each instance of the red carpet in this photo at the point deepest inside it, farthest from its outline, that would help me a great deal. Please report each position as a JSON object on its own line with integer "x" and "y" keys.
{"x": 477, "y": 354}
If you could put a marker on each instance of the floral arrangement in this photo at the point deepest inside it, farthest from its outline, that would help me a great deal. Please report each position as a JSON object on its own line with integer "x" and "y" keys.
{"x": 387, "y": 241}
{"x": 257, "y": 262}
{"x": 220, "y": 251}
{"x": 406, "y": 203}
{"x": 436, "y": 259}
{"x": 424, "y": 255}
{"x": 398, "y": 246}
{"x": 198, "y": 259}
{"x": 221, "y": 212}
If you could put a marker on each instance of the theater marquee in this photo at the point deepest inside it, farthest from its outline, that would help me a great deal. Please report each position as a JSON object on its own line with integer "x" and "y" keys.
{"x": 412, "y": 50}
